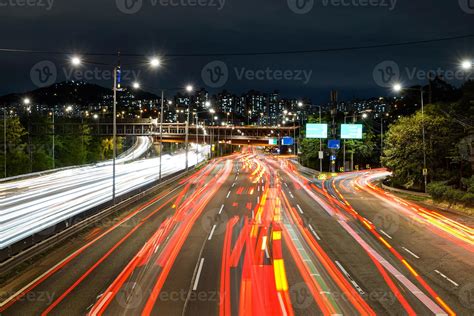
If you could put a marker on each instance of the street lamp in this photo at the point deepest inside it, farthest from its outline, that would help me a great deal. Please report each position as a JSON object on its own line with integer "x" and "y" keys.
{"x": 76, "y": 61}
{"x": 155, "y": 62}
{"x": 466, "y": 64}
{"x": 397, "y": 88}
{"x": 189, "y": 89}
{"x": 26, "y": 101}
{"x": 136, "y": 85}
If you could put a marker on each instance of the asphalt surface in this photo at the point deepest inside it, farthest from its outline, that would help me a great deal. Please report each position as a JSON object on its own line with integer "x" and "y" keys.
{"x": 249, "y": 234}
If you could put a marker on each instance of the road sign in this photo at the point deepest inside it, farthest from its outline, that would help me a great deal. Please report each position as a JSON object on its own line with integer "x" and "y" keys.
{"x": 425, "y": 172}
{"x": 333, "y": 157}
{"x": 273, "y": 141}
{"x": 351, "y": 131}
{"x": 321, "y": 155}
{"x": 316, "y": 131}
{"x": 287, "y": 141}
{"x": 334, "y": 144}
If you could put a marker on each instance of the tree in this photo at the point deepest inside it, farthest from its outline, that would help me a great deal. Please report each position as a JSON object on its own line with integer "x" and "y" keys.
{"x": 17, "y": 158}
{"x": 403, "y": 152}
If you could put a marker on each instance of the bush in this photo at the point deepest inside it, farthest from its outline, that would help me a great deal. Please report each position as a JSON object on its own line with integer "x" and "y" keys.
{"x": 437, "y": 190}
{"x": 468, "y": 199}
{"x": 453, "y": 196}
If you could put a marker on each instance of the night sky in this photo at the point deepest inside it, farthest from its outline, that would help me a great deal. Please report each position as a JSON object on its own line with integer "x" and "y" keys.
{"x": 240, "y": 26}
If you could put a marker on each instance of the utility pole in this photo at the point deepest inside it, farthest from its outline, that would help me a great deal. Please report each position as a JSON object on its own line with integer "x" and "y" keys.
{"x": 161, "y": 128}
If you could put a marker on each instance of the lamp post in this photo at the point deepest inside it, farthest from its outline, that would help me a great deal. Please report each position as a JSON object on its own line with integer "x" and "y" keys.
{"x": 397, "y": 88}
{"x": 5, "y": 141}
{"x": 153, "y": 62}
{"x": 364, "y": 116}
{"x": 189, "y": 89}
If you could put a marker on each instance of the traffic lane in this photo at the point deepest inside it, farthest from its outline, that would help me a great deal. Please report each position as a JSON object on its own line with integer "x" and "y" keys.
{"x": 206, "y": 290}
{"x": 442, "y": 263}
{"x": 199, "y": 263}
{"x": 100, "y": 279}
{"x": 68, "y": 273}
{"x": 344, "y": 249}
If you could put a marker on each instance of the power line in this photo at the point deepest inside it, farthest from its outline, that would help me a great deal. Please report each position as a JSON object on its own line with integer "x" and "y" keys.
{"x": 260, "y": 53}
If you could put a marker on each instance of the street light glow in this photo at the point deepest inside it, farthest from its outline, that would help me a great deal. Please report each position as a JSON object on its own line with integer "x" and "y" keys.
{"x": 189, "y": 88}
{"x": 207, "y": 104}
{"x": 26, "y": 101}
{"x": 76, "y": 61}
{"x": 466, "y": 64}
{"x": 364, "y": 115}
{"x": 136, "y": 85}
{"x": 397, "y": 87}
{"x": 300, "y": 104}
{"x": 155, "y": 62}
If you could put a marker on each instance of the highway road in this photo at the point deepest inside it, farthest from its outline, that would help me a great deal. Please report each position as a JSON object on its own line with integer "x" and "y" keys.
{"x": 31, "y": 205}
{"x": 250, "y": 234}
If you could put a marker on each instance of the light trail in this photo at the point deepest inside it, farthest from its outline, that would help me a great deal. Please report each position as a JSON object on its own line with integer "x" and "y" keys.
{"x": 41, "y": 203}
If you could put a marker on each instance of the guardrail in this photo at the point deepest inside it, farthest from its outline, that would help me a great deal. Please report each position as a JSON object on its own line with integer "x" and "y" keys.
{"x": 24, "y": 250}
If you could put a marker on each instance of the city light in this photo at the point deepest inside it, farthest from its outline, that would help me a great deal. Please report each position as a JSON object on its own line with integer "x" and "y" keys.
{"x": 300, "y": 104}
{"x": 397, "y": 87}
{"x": 155, "y": 62}
{"x": 466, "y": 64}
{"x": 136, "y": 85}
{"x": 189, "y": 88}
{"x": 76, "y": 61}
{"x": 207, "y": 104}
{"x": 26, "y": 101}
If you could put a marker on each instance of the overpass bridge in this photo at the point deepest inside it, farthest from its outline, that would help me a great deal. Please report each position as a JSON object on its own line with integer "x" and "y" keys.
{"x": 176, "y": 132}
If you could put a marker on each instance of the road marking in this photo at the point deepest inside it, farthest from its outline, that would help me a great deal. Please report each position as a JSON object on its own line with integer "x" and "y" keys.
{"x": 196, "y": 282}
{"x": 258, "y": 188}
{"x": 314, "y": 232}
{"x": 286, "y": 185}
{"x": 212, "y": 232}
{"x": 233, "y": 184}
{"x": 222, "y": 207}
{"x": 299, "y": 208}
{"x": 354, "y": 283}
{"x": 282, "y": 305}
{"x": 228, "y": 194}
{"x": 410, "y": 252}
{"x": 386, "y": 234}
{"x": 291, "y": 194}
{"x": 258, "y": 199}
{"x": 444, "y": 276}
